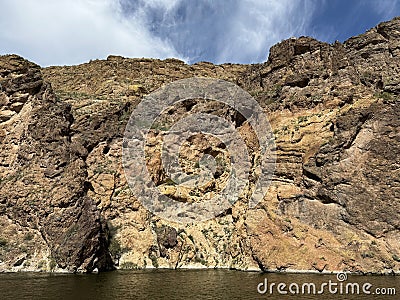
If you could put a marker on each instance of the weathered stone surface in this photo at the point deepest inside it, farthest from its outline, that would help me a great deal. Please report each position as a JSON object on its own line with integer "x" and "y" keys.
{"x": 43, "y": 188}
{"x": 333, "y": 203}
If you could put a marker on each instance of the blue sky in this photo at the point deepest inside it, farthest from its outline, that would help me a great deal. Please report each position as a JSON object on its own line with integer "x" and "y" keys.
{"x": 68, "y": 32}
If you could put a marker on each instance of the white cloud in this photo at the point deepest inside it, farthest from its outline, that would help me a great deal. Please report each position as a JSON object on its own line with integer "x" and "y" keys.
{"x": 222, "y": 31}
{"x": 259, "y": 24}
{"x": 69, "y": 32}
{"x": 385, "y": 8}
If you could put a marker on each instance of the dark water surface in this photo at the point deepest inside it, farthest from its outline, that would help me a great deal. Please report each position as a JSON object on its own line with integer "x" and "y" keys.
{"x": 181, "y": 284}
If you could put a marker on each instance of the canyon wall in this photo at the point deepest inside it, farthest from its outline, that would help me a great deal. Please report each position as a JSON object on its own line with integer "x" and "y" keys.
{"x": 333, "y": 203}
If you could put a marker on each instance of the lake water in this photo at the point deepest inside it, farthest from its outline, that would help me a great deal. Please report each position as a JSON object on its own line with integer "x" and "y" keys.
{"x": 184, "y": 284}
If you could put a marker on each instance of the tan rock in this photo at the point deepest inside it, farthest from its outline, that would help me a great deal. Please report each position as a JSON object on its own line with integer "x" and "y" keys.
{"x": 332, "y": 204}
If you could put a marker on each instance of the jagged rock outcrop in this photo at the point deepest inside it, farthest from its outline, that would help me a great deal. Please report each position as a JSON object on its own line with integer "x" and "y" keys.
{"x": 333, "y": 203}
{"x": 48, "y": 219}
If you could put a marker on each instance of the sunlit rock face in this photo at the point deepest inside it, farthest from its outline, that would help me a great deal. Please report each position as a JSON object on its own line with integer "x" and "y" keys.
{"x": 333, "y": 202}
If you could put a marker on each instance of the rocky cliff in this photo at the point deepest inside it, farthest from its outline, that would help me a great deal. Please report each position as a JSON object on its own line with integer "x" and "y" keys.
{"x": 334, "y": 200}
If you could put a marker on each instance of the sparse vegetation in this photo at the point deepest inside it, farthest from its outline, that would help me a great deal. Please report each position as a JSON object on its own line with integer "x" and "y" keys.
{"x": 128, "y": 265}
{"x": 169, "y": 181}
{"x": 52, "y": 264}
{"x": 160, "y": 126}
{"x": 13, "y": 177}
{"x": 204, "y": 231}
{"x": 28, "y": 237}
{"x": 115, "y": 249}
{"x": 154, "y": 260}
{"x": 367, "y": 255}
{"x": 41, "y": 264}
{"x": 100, "y": 169}
{"x": 200, "y": 260}
{"x": 302, "y": 119}
{"x": 386, "y": 97}
{"x": 3, "y": 242}
{"x": 396, "y": 258}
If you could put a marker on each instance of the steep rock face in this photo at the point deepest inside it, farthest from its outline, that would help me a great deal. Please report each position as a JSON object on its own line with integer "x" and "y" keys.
{"x": 339, "y": 159}
{"x": 44, "y": 198}
{"x": 333, "y": 203}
